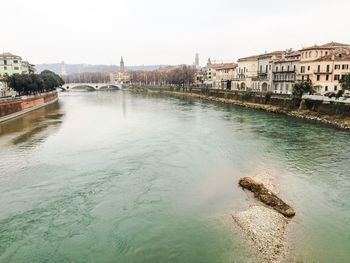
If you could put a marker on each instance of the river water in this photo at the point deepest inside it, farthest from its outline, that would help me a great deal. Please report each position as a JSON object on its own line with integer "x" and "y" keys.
{"x": 120, "y": 177}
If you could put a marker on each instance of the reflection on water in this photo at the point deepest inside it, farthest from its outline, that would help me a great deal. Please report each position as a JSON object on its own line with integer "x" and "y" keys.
{"x": 31, "y": 126}
{"x": 119, "y": 177}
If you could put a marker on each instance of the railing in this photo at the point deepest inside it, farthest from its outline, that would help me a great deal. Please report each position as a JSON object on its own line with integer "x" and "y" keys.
{"x": 323, "y": 71}
{"x": 327, "y": 99}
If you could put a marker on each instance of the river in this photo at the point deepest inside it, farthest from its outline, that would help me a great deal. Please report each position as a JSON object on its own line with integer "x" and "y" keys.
{"x": 120, "y": 177}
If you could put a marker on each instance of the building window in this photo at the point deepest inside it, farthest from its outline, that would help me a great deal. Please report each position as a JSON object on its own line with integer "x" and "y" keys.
{"x": 327, "y": 77}
{"x": 15, "y": 61}
{"x": 287, "y": 88}
{"x": 308, "y": 68}
{"x": 318, "y": 68}
{"x": 5, "y": 62}
{"x": 336, "y": 77}
{"x": 345, "y": 66}
{"x": 294, "y": 68}
{"x": 337, "y": 67}
{"x": 302, "y": 78}
{"x": 16, "y": 68}
{"x": 302, "y": 69}
{"x": 318, "y": 77}
{"x": 326, "y": 88}
{"x": 282, "y": 68}
{"x": 5, "y": 68}
{"x": 328, "y": 67}
{"x": 335, "y": 88}
{"x": 326, "y": 53}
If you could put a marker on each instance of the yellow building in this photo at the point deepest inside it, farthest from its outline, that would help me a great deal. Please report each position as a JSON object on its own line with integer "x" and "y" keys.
{"x": 324, "y": 65}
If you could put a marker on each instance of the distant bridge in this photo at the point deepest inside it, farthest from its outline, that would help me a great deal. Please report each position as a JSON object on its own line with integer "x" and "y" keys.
{"x": 91, "y": 86}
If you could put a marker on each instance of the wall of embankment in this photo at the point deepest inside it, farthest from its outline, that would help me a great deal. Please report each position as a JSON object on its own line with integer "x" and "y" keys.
{"x": 14, "y": 107}
{"x": 279, "y": 100}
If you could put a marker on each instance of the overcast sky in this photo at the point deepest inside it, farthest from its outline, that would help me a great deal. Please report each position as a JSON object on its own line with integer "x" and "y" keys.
{"x": 166, "y": 32}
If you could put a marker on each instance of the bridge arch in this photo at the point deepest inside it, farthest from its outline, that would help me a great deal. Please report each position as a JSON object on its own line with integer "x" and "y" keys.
{"x": 81, "y": 87}
{"x": 109, "y": 87}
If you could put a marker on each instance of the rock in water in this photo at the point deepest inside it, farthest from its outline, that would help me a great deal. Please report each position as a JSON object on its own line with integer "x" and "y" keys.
{"x": 266, "y": 196}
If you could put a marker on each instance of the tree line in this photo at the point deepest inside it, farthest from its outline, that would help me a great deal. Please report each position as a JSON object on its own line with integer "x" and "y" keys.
{"x": 30, "y": 84}
{"x": 180, "y": 76}
{"x": 87, "y": 77}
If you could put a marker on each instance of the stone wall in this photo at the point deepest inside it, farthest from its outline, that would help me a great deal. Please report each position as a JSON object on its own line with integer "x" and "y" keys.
{"x": 254, "y": 97}
{"x": 326, "y": 107}
{"x": 11, "y": 106}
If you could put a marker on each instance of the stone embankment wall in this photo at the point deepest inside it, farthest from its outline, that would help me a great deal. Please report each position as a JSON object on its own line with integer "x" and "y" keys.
{"x": 326, "y": 107}
{"x": 285, "y": 102}
{"x": 12, "y": 106}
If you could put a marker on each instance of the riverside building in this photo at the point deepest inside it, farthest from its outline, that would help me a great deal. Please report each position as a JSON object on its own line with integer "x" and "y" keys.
{"x": 246, "y": 73}
{"x": 325, "y": 65}
{"x": 12, "y": 64}
{"x": 285, "y": 72}
{"x": 219, "y": 75}
{"x": 264, "y": 80}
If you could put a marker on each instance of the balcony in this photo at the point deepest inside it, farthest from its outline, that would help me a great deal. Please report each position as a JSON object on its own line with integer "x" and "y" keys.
{"x": 318, "y": 72}
{"x": 285, "y": 71}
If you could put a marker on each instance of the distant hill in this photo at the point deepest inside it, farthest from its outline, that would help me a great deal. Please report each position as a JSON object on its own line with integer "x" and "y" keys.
{"x": 80, "y": 68}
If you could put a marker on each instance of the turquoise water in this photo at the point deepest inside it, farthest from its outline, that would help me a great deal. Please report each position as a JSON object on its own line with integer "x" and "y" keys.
{"x": 117, "y": 177}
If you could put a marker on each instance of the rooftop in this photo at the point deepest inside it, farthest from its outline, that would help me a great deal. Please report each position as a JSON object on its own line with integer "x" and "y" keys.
{"x": 335, "y": 44}
{"x": 251, "y": 58}
{"x": 223, "y": 66}
{"x": 339, "y": 56}
{"x": 7, "y": 54}
{"x": 327, "y": 46}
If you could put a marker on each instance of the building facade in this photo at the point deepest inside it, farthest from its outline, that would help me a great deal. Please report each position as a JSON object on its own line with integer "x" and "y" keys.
{"x": 12, "y": 64}
{"x": 324, "y": 65}
{"x": 246, "y": 72}
{"x": 219, "y": 76}
{"x": 285, "y": 71}
{"x": 264, "y": 80}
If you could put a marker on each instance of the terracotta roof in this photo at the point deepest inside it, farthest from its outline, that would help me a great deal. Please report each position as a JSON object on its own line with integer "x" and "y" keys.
{"x": 326, "y": 46}
{"x": 251, "y": 58}
{"x": 223, "y": 66}
{"x": 335, "y": 44}
{"x": 315, "y": 47}
{"x": 340, "y": 56}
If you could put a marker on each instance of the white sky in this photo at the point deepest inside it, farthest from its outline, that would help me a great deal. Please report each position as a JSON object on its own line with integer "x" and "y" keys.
{"x": 166, "y": 32}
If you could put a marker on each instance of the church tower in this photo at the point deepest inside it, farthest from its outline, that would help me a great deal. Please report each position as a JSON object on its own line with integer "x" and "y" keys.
{"x": 122, "y": 67}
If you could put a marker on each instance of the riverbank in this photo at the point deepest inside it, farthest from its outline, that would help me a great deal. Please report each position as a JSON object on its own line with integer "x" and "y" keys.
{"x": 338, "y": 121}
{"x": 12, "y": 108}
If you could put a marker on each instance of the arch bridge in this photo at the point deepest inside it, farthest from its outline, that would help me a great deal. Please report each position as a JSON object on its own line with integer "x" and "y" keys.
{"x": 91, "y": 86}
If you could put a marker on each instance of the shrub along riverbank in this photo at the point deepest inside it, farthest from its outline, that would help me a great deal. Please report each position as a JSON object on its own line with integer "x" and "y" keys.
{"x": 334, "y": 114}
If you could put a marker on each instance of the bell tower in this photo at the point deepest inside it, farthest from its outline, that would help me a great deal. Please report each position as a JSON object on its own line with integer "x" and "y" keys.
{"x": 122, "y": 66}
